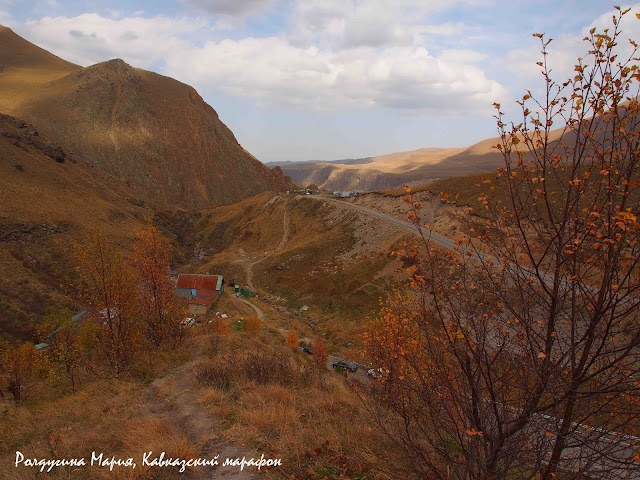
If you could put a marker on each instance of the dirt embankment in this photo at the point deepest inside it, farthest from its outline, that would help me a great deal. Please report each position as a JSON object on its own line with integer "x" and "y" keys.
{"x": 445, "y": 219}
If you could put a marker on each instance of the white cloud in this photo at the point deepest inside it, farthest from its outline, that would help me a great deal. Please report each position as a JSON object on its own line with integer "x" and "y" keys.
{"x": 462, "y": 56}
{"x": 446, "y": 29}
{"x": 564, "y": 51}
{"x": 371, "y": 29}
{"x": 374, "y": 23}
{"x": 230, "y": 7}
{"x": 91, "y": 38}
{"x": 276, "y": 72}
{"x": 341, "y": 53}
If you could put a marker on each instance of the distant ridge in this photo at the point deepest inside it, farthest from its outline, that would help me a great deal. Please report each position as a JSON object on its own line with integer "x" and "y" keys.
{"x": 347, "y": 161}
{"x": 394, "y": 170}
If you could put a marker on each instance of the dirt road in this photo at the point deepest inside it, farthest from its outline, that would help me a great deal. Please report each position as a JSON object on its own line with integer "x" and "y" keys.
{"x": 257, "y": 309}
{"x": 250, "y": 262}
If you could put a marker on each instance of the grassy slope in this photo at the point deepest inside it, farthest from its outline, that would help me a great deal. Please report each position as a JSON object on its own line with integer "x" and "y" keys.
{"x": 45, "y": 207}
{"x": 25, "y": 68}
{"x": 314, "y": 422}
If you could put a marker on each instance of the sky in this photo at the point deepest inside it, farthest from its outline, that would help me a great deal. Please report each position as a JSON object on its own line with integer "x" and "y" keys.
{"x": 331, "y": 79}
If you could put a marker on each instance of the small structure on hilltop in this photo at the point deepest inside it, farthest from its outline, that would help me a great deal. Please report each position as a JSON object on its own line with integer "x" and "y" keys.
{"x": 199, "y": 292}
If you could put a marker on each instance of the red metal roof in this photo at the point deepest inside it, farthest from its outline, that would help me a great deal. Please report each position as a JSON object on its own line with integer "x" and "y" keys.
{"x": 199, "y": 282}
{"x": 203, "y": 297}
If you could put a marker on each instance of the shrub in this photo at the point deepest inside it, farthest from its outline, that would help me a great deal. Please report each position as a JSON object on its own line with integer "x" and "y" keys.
{"x": 216, "y": 372}
{"x": 253, "y": 324}
{"x": 269, "y": 368}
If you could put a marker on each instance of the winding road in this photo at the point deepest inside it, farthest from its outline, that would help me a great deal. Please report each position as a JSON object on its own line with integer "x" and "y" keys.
{"x": 429, "y": 234}
{"x": 256, "y": 309}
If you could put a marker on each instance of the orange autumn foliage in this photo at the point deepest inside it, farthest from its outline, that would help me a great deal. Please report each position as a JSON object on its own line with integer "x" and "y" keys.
{"x": 320, "y": 353}
{"x": 508, "y": 354}
{"x": 292, "y": 338}
{"x": 158, "y": 302}
{"x": 109, "y": 289}
{"x": 252, "y": 324}
{"x": 18, "y": 364}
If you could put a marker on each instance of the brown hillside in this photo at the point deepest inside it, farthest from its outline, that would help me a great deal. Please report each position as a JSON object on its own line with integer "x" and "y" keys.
{"x": 392, "y": 170}
{"x": 414, "y": 168}
{"x": 48, "y": 201}
{"x": 24, "y": 68}
{"x": 152, "y": 131}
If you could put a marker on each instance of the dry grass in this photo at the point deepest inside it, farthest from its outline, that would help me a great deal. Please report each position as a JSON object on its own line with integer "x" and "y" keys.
{"x": 264, "y": 396}
{"x": 330, "y": 261}
{"x": 465, "y": 189}
{"x": 105, "y": 415}
{"x": 280, "y": 404}
{"x": 46, "y": 207}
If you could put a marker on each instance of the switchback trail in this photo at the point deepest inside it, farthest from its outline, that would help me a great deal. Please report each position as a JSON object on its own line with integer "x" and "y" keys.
{"x": 250, "y": 262}
{"x": 173, "y": 399}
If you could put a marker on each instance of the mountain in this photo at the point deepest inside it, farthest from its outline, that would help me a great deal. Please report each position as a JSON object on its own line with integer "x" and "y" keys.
{"x": 346, "y": 161}
{"x": 413, "y": 168}
{"x": 153, "y": 132}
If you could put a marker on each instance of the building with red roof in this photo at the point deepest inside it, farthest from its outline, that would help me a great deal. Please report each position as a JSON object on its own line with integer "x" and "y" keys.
{"x": 199, "y": 292}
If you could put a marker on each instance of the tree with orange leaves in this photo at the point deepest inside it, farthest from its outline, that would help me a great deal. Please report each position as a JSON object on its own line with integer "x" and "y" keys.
{"x": 320, "y": 353}
{"x": 516, "y": 354}
{"x": 159, "y": 304}
{"x": 252, "y": 324}
{"x": 292, "y": 338}
{"x": 67, "y": 353}
{"x": 18, "y": 364}
{"x": 110, "y": 290}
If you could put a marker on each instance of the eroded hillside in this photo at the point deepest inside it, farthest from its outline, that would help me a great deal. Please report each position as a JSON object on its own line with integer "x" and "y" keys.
{"x": 49, "y": 199}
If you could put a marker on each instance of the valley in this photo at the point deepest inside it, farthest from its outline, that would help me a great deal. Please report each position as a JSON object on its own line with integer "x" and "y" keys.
{"x": 466, "y": 313}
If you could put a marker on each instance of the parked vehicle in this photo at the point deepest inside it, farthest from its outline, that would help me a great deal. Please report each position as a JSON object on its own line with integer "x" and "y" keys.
{"x": 188, "y": 322}
{"x": 346, "y": 365}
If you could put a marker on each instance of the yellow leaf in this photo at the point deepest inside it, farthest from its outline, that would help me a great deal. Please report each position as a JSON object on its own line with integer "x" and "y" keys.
{"x": 542, "y": 355}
